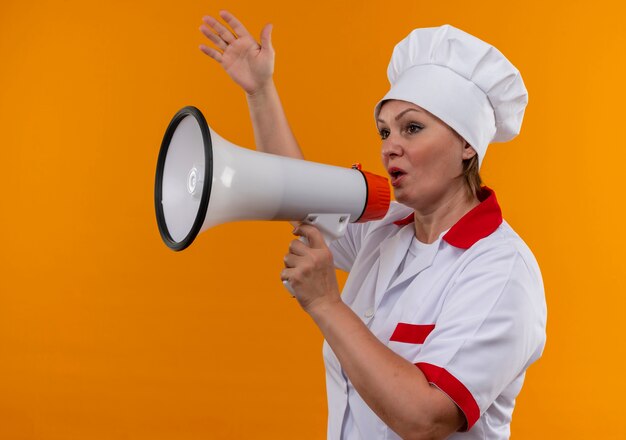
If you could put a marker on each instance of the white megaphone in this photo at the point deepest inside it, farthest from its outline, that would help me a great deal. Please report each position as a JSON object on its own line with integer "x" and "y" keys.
{"x": 203, "y": 180}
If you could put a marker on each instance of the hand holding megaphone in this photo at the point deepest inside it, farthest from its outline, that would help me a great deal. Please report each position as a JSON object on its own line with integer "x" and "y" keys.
{"x": 202, "y": 180}
{"x": 332, "y": 227}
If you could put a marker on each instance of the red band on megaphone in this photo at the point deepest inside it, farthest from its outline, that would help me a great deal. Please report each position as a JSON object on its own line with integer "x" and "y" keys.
{"x": 378, "y": 197}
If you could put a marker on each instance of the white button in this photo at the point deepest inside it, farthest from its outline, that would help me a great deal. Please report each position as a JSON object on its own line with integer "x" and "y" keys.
{"x": 369, "y": 313}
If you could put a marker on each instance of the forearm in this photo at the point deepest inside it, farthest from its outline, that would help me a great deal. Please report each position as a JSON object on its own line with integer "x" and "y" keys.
{"x": 396, "y": 390}
{"x": 272, "y": 132}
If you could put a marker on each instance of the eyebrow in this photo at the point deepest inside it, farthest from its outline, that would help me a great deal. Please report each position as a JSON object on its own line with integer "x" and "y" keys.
{"x": 401, "y": 114}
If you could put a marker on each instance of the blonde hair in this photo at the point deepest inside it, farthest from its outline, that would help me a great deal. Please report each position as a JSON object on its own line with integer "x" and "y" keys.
{"x": 472, "y": 177}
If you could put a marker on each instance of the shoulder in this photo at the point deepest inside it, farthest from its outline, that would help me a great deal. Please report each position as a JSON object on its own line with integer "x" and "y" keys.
{"x": 367, "y": 237}
{"x": 503, "y": 264}
{"x": 506, "y": 242}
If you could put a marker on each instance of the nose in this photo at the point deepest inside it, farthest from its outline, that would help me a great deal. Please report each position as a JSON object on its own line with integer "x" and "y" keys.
{"x": 391, "y": 147}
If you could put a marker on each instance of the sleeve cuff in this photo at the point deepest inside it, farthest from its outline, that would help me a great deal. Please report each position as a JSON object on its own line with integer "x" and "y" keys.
{"x": 450, "y": 385}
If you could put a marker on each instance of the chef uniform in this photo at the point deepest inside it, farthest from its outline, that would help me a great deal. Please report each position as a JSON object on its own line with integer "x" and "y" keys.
{"x": 469, "y": 309}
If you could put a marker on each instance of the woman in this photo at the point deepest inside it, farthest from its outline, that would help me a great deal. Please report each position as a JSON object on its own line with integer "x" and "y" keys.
{"x": 444, "y": 308}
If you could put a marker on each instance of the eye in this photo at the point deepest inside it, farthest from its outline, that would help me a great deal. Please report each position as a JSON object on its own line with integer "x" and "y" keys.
{"x": 413, "y": 128}
{"x": 384, "y": 133}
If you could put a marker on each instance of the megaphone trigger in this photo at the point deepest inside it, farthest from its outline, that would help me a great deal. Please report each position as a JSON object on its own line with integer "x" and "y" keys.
{"x": 332, "y": 226}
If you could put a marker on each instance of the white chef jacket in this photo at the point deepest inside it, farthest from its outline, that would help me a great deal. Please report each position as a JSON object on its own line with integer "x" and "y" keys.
{"x": 468, "y": 311}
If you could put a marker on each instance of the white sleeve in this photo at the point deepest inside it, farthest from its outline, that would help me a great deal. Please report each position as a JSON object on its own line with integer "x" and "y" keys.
{"x": 346, "y": 248}
{"x": 490, "y": 329}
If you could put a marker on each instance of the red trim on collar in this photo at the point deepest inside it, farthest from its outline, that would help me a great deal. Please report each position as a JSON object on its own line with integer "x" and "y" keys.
{"x": 478, "y": 223}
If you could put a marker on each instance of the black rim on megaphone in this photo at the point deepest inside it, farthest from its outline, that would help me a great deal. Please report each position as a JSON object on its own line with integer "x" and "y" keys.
{"x": 206, "y": 186}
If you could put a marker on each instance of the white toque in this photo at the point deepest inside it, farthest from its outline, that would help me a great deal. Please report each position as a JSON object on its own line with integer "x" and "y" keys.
{"x": 462, "y": 80}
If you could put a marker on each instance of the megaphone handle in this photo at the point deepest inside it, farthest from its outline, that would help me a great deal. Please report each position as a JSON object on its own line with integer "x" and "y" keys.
{"x": 332, "y": 227}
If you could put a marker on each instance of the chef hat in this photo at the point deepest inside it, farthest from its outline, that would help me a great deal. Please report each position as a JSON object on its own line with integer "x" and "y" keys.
{"x": 462, "y": 80}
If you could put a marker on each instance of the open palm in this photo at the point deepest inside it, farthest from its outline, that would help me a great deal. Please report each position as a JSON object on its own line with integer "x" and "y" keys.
{"x": 247, "y": 62}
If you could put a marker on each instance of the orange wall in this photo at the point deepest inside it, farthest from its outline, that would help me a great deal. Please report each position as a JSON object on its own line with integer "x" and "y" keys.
{"x": 107, "y": 334}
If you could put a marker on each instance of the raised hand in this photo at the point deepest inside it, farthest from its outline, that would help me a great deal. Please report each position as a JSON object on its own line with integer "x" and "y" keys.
{"x": 249, "y": 63}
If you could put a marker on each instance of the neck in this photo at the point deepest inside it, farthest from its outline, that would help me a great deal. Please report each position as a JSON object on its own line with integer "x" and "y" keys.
{"x": 431, "y": 222}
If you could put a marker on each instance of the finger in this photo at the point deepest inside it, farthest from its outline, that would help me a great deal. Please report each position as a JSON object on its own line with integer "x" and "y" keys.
{"x": 297, "y": 247}
{"x": 210, "y": 22}
{"x": 215, "y": 54}
{"x": 286, "y": 274}
{"x": 266, "y": 36}
{"x": 235, "y": 24}
{"x": 291, "y": 261}
{"x": 215, "y": 39}
{"x": 225, "y": 33}
{"x": 313, "y": 235}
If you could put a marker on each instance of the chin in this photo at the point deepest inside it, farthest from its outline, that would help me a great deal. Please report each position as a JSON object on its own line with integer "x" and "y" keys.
{"x": 416, "y": 199}
{"x": 402, "y": 197}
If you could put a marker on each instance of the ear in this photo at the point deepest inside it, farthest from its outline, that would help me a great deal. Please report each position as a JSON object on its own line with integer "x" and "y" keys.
{"x": 468, "y": 151}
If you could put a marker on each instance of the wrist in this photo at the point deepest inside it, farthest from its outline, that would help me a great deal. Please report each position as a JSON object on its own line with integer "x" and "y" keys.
{"x": 324, "y": 307}
{"x": 262, "y": 93}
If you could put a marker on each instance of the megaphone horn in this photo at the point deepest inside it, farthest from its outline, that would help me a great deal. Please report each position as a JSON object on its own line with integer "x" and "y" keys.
{"x": 202, "y": 180}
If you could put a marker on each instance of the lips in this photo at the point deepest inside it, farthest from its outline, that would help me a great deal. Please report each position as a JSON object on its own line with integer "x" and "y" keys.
{"x": 397, "y": 175}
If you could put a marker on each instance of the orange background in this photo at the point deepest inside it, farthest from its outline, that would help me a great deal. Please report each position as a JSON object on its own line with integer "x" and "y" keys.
{"x": 107, "y": 334}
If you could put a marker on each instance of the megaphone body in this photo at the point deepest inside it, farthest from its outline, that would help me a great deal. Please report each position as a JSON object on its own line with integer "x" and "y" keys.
{"x": 203, "y": 180}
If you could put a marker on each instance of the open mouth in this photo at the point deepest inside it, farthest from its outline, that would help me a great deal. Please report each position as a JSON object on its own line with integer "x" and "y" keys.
{"x": 396, "y": 175}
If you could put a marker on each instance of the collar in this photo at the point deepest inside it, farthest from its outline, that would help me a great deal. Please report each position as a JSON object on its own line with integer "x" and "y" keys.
{"x": 478, "y": 223}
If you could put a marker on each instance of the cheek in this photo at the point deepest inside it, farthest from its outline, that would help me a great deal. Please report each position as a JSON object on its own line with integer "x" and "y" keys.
{"x": 440, "y": 158}
{"x": 427, "y": 156}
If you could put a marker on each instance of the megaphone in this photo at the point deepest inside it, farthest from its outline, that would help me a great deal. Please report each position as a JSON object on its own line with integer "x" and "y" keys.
{"x": 202, "y": 180}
